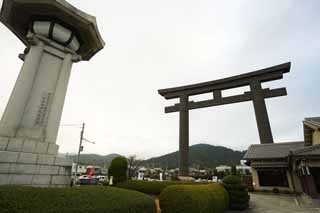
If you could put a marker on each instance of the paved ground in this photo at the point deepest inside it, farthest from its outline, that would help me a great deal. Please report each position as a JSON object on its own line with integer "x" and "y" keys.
{"x": 265, "y": 203}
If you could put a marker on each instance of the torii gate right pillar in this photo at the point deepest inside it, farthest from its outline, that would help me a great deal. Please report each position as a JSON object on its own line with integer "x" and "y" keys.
{"x": 260, "y": 110}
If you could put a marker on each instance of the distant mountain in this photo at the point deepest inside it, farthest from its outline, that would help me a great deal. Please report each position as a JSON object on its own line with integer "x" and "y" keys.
{"x": 200, "y": 155}
{"x": 93, "y": 159}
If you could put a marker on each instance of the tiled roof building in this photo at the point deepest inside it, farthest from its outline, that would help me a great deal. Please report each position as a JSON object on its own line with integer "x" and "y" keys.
{"x": 291, "y": 166}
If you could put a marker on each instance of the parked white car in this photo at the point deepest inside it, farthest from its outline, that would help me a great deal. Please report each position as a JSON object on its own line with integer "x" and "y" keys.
{"x": 102, "y": 178}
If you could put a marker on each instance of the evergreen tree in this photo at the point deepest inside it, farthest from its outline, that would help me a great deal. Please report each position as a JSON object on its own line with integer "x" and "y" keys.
{"x": 118, "y": 169}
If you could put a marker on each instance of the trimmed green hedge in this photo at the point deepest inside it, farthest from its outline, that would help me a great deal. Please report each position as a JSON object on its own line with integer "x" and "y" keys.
{"x": 152, "y": 187}
{"x": 238, "y": 192}
{"x": 77, "y": 199}
{"x": 210, "y": 198}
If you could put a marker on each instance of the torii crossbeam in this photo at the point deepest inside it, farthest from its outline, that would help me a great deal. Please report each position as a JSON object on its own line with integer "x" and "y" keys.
{"x": 256, "y": 94}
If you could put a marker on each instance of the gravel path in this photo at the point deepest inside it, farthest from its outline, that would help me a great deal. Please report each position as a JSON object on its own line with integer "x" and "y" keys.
{"x": 265, "y": 203}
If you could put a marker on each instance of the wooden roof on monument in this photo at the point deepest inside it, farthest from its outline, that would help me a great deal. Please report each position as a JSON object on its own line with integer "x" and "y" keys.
{"x": 17, "y": 15}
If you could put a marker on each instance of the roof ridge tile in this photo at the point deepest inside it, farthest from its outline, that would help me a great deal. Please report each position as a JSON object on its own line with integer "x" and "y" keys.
{"x": 306, "y": 149}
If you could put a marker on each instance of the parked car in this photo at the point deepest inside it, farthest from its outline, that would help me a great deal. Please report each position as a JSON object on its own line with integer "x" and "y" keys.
{"x": 88, "y": 181}
{"x": 101, "y": 178}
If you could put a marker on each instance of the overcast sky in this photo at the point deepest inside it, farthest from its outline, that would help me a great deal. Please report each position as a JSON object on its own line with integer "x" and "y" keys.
{"x": 158, "y": 44}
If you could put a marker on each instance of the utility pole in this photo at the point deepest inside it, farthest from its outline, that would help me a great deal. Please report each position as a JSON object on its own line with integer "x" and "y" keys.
{"x": 80, "y": 149}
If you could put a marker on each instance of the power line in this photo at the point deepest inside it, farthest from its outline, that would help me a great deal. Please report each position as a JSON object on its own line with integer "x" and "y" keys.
{"x": 88, "y": 140}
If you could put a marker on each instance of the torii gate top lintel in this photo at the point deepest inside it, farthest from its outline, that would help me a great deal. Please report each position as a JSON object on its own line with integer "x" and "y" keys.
{"x": 263, "y": 75}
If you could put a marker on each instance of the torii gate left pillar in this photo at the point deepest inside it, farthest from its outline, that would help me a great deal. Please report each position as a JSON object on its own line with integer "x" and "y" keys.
{"x": 184, "y": 135}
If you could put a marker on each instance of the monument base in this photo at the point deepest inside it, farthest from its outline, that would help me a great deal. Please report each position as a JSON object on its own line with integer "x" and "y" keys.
{"x": 29, "y": 162}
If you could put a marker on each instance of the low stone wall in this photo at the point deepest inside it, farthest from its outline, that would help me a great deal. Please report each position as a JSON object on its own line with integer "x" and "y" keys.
{"x": 34, "y": 163}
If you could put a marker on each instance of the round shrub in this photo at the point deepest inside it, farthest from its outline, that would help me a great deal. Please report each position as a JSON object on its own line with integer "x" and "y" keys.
{"x": 77, "y": 199}
{"x": 152, "y": 187}
{"x": 240, "y": 186}
{"x": 232, "y": 179}
{"x": 118, "y": 169}
{"x": 238, "y": 192}
{"x": 209, "y": 198}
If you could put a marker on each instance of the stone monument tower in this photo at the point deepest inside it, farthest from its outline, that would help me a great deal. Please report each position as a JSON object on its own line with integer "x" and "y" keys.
{"x": 56, "y": 35}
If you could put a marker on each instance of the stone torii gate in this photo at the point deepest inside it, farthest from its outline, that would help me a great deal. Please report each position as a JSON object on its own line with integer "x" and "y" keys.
{"x": 256, "y": 94}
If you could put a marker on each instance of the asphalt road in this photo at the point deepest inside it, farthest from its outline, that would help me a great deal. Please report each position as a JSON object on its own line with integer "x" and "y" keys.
{"x": 265, "y": 203}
